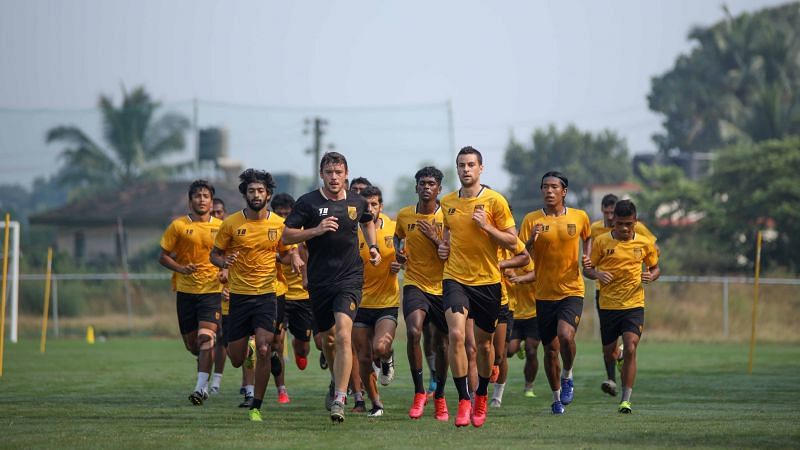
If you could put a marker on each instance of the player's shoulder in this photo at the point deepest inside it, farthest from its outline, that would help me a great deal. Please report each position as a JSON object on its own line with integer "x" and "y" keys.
{"x": 234, "y": 219}
{"x": 597, "y": 225}
{"x": 603, "y": 239}
{"x": 406, "y": 211}
{"x": 643, "y": 238}
{"x": 180, "y": 222}
{"x": 533, "y": 215}
{"x": 579, "y": 213}
{"x": 450, "y": 197}
{"x": 491, "y": 193}
{"x": 311, "y": 197}
{"x": 274, "y": 218}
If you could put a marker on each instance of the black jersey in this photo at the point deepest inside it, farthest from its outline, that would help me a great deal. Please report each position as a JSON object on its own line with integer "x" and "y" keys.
{"x": 333, "y": 257}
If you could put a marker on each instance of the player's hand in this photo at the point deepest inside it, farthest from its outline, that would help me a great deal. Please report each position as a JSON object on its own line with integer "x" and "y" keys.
{"x": 395, "y": 267}
{"x": 444, "y": 250}
{"x": 538, "y": 229}
{"x": 231, "y": 258}
{"x": 508, "y": 273}
{"x": 646, "y": 276}
{"x": 188, "y": 269}
{"x": 605, "y": 277}
{"x": 587, "y": 263}
{"x": 329, "y": 223}
{"x": 428, "y": 229}
{"x": 480, "y": 218}
{"x": 222, "y": 276}
{"x": 226, "y": 293}
{"x": 297, "y": 263}
{"x": 374, "y": 256}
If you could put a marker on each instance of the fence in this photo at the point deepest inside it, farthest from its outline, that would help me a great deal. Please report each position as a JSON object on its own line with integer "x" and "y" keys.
{"x": 716, "y": 308}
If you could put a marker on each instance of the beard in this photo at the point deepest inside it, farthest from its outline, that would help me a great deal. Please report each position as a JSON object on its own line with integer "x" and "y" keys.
{"x": 256, "y": 207}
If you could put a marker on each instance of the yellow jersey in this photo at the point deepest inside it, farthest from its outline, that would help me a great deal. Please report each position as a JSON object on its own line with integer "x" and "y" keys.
{"x": 623, "y": 260}
{"x": 258, "y": 242}
{"x": 524, "y": 295}
{"x": 473, "y": 254}
{"x": 506, "y": 293}
{"x": 295, "y": 283}
{"x": 381, "y": 289}
{"x": 599, "y": 227}
{"x": 281, "y": 285}
{"x": 424, "y": 267}
{"x": 191, "y": 243}
{"x": 556, "y": 253}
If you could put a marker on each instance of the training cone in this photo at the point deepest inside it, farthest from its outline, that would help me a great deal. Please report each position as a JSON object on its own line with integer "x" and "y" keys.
{"x": 90, "y": 335}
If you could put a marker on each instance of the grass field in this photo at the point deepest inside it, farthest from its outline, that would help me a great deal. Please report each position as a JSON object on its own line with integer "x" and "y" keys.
{"x": 133, "y": 393}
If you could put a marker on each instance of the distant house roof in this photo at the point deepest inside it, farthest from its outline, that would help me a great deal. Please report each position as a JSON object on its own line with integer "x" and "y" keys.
{"x": 146, "y": 204}
{"x": 624, "y": 186}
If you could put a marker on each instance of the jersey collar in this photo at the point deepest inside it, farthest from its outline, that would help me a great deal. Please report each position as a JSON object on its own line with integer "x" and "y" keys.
{"x": 322, "y": 193}
{"x": 483, "y": 188}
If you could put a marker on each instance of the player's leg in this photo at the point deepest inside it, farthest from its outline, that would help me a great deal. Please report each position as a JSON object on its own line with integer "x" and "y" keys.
{"x": 385, "y": 329}
{"x": 531, "y": 365}
{"x": 472, "y": 356}
{"x": 430, "y": 355}
{"x": 609, "y": 334}
{"x": 485, "y": 358}
{"x": 456, "y": 307}
{"x": 298, "y": 314}
{"x": 631, "y": 327}
{"x": 279, "y": 372}
{"x": 570, "y": 310}
{"x": 500, "y": 362}
{"x": 439, "y": 335}
{"x": 548, "y": 327}
{"x": 415, "y": 311}
{"x": 220, "y": 357}
{"x": 342, "y": 362}
{"x": 264, "y": 339}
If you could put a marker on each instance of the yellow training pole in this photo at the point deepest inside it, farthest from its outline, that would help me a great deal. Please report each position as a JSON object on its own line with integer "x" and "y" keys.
{"x": 755, "y": 305}
{"x": 46, "y": 297}
{"x": 3, "y": 295}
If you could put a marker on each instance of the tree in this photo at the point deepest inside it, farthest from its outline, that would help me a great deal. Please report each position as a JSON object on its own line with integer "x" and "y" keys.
{"x": 137, "y": 143}
{"x": 585, "y": 159}
{"x": 741, "y": 82}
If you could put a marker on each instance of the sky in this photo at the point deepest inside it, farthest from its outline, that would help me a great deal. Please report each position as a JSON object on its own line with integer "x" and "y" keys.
{"x": 505, "y": 68}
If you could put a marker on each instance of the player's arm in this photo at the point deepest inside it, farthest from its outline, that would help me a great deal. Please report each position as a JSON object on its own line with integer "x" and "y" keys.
{"x": 219, "y": 259}
{"x": 298, "y": 235}
{"x": 590, "y": 267}
{"x": 506, "y": 238}
{"x": 521, "y": 259}
{"x": 167, "y": 259}
{"x": 368, "y": 228}
{"x": 291, "y": 256}
{"x": 428, "y": 229}
{"x": 525, "y": 278}
{"x": 651, "y": 274}
{"x": 399, "y": 249}
{"x": 444, "y": 247}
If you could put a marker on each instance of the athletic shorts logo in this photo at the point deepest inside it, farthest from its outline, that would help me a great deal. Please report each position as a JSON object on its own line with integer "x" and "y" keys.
{"x": 272, "y": 234}
{"x": 216, "y": 315}
{"x": 641, "y": 329}
{"x": 387, "y": 240}
{"x": 577, "y": 319}
{"x": 308, "y": 332}
{"x": 572, "y": 229}
{"x": 637, "y": 252}
{"x": 351, "y": 212}
{"x": 352, "y": 306}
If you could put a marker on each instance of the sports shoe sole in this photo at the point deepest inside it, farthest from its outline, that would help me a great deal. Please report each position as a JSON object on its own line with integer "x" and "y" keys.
{"x": 196, "y": 398}
{"x": 609, "y": 389}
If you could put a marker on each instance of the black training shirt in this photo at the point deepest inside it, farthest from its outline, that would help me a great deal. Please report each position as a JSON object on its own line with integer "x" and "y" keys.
{"x": 333, "y": 257}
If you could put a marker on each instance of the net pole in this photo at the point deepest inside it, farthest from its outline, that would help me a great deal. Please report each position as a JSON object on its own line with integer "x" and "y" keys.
{"x": 755, "y": 306}
{"x": 3, "y": 294}
{"x": 46, "y": 307}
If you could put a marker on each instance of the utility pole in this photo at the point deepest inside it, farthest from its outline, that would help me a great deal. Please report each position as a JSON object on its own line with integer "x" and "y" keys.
{"x": 318, "y": 130}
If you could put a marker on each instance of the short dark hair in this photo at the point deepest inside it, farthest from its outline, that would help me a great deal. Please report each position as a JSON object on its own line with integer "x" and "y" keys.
{"x": 468, "y": 150}
{"x": 360, "y": 180}
{"x": 282, "y": 200}
{"x": 332, "y": 158}
{"x": 609, "y": 200}
{"x": 256, "y": 176}
{"x": 200, "y": 184}
{"x": 372, "y": 191}
{"x": 218, "y": 201}
{"x": 624, "y": 208}
{"x": 429, "y": 171}
{"x": 554, "y": 174}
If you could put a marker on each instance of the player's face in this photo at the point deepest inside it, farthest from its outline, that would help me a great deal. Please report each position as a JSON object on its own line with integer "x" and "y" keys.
{"x": 218, "y": 211}
{"x": 553, "y": 192}
{"x": 201, "y": 201}
{"x": 374, "y": 206}
{"x": 333, "y": 176}
{"x": 357, "y": 187}
{"x": 428, "y": 188}
{"x": 469, "y": 169}
{"x": 623, "y": 227}
{"x": 283, "y": 211}
{"x": 608, "y": 214}
{"x": 257, "y": 196}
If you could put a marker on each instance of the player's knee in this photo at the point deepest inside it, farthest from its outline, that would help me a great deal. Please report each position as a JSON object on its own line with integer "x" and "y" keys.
{"x": 629, "y": 351}
{"x": 383, "y": 348}
{"x": 264, "y": 351}
{"x": 457, "y": 336}
{"x": 205, "y": 339}
{"x": 414, "y": 333}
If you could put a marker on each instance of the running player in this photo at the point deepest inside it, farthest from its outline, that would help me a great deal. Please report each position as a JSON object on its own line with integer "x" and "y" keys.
{"x": 417, "y": 237}
{"x": 600, "y": 227}
{"x": 247, "y": 244}
{"x": 525, "y": 329}
{"x": 184, "y": 250}
{"x": 477, "y": 220}
{"x": 376, "y": 321}
{"x": 220, "y": 355}
{"x": 327, "y": 220}
{"x": 616, "y": 262}
{"x": 554, "y": 234}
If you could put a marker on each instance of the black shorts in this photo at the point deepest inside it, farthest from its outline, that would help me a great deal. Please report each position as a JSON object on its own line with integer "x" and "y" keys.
{"x": 368, "y": 317}
{"x": 510, "y": 326}
{"x": 549, "y": 312}
{"x": 280, "y": 312}
{"x": 221, "y": 335}
{"x": 482, "y": 302}
{"x": 525, "y": 328}
{"x": 196, "y": 308}
{"x": 415, "y": 298}
{"x": 615, "y": 322}
{"x": 505, "y": 315}
{"x": 333, "y": 299}
{"x": 298, "y": 319}
{"x": 249, "y": 312}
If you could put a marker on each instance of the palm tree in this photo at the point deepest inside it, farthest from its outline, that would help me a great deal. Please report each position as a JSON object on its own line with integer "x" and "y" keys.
{"x": 137, "y": 143}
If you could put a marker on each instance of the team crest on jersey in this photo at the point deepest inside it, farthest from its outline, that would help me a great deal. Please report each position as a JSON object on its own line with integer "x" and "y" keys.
{"x": 387, "y": 240}
{"x": 637, "y": 252}
{"x": 351, "y": 212}
{"x": 272, "y": 234}
{"x": 572, "y": 229}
